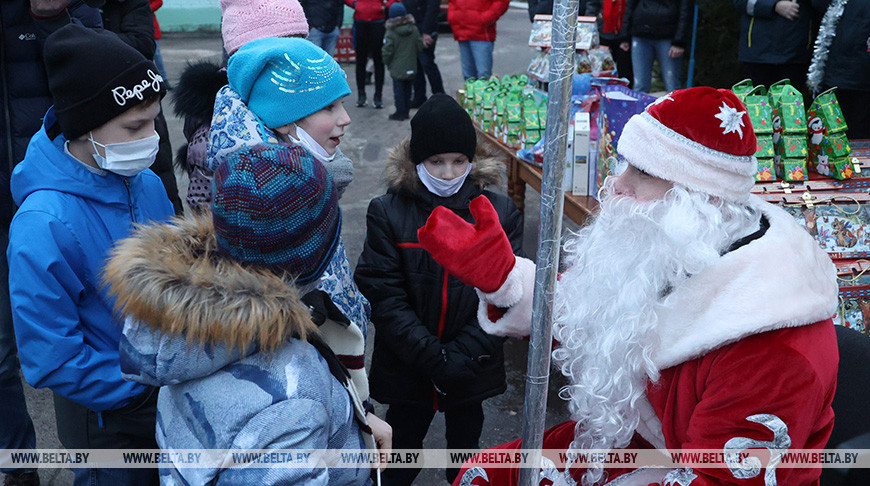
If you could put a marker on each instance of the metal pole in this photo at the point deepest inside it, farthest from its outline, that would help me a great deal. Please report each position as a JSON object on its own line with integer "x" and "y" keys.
{"x": 552, "y": 201}
{"x": 691, "y": 75}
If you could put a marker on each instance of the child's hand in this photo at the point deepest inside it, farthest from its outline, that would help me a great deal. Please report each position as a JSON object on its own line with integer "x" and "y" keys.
{"x": 383, "y": 434}
{"x": 479, "y": 255}
{"x": 455, "y": 369}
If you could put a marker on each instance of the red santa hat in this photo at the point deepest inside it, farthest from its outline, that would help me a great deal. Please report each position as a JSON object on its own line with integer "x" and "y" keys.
{"x": 699, "y": 138}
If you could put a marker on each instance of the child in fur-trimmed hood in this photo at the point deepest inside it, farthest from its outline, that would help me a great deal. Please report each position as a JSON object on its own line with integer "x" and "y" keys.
{"x": 224, "y": 313}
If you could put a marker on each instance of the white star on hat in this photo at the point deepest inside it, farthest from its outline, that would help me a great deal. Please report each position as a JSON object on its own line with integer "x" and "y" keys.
{"x": 732, "y": 120}
{"x": 662, "y": 99}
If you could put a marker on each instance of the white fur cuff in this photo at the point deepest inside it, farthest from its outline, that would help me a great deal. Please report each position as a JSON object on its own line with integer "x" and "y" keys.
{"x": 511, "y": 291}
{"x": 515, "y": 294}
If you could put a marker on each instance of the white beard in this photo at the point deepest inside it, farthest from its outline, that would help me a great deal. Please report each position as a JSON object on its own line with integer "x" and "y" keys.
{"x": 606, "y": 304}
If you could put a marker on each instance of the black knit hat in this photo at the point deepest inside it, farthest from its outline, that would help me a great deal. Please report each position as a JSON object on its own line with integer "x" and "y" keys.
{"x": 441, "y": 126}
{"x": 94, "y": 77}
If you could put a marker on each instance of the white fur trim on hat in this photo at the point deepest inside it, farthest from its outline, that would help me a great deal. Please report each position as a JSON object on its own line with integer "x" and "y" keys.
{"x": 660, "y": 151}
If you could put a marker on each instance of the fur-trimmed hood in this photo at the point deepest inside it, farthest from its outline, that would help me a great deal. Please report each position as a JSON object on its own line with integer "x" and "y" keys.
{"x": 402, "y": 178}
{"x": 399, "y": 21}
{"x": 171, "y": 278}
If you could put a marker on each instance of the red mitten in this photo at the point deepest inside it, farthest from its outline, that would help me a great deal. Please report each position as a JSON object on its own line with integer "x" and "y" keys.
{"x": 479, "y": 255}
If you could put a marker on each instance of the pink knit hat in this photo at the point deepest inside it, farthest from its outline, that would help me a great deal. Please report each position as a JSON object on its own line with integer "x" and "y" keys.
{"x": 246, "y": 20}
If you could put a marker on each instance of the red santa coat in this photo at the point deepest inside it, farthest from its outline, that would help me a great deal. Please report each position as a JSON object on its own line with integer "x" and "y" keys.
{"x": 749, "y": 360}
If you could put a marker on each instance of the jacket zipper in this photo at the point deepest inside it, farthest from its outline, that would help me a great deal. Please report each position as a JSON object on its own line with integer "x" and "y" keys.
{"x": 441, "y": 320}
{"x": 749, "y": 34}
{"x": 129, "y": 199}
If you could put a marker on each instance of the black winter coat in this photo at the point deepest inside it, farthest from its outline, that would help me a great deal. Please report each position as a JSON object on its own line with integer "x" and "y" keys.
{"x": 659, "y": 19}
{"x": 24, "y": 94}
{"x": 133, "y": 21}
{"x": 323, "y": 15}
{"x": 848, "y": 64}
{"x": 425, "y": 14}
{"x": 418, "y": 309}
{"x": 769, "y": 38}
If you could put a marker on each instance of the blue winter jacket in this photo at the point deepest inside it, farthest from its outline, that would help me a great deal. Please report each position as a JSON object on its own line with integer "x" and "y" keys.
{"x": 68, "y": 219}
{"x": 205, "y": 320}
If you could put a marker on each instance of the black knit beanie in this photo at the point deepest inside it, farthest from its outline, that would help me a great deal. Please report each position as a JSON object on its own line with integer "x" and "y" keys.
{"x": 94, "y": 77}
{"x": 441, "y": 126}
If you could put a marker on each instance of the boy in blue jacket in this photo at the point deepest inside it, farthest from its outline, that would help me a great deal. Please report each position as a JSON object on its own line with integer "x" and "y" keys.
{"x": 81, "y": 187}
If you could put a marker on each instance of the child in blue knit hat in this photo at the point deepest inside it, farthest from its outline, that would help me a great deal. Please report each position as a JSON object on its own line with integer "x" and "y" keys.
{"x": 289, "y": 91}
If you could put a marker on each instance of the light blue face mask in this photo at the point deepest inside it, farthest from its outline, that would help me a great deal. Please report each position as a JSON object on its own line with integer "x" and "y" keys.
{"x": 127, "y": 159}
{"x": 438, "y": 186}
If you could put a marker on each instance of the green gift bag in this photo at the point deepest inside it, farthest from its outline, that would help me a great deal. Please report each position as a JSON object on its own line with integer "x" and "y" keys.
{"x": 828, "y": 109}
{"x": 790, "y": 108}
{"x": 742, "y": 88}
{"x": 760, "y": 110}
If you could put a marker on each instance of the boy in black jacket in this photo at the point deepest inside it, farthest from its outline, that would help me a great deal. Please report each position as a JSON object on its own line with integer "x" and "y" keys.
{"x": 430, "y": 353}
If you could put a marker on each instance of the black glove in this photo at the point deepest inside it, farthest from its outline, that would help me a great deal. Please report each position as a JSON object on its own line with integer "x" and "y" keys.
{"x": 322, "y": 308}
{"x": 454, "y": 370}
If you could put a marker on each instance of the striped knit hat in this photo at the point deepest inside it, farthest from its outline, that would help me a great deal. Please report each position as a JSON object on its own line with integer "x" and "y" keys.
{"x": 276, "y": 207}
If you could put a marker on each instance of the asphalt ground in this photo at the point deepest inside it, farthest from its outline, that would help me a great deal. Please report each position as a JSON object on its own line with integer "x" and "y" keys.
{"x": 366, "y": 142}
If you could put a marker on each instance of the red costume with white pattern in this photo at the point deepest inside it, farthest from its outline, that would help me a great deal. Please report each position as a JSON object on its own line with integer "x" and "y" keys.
{"x": 743, "y": 353}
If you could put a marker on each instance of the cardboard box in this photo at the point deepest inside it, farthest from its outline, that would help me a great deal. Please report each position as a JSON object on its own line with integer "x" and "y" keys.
{"x": 580, "y": 186}
{"x": 568, "y": 174}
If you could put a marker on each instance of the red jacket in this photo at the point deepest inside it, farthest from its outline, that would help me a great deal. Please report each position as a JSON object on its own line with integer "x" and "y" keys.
{"x": 475, "y": 19}
{"x": 788, "y": 374}
{"x": 155, "y": 4}
{"x": 369, "y": 10}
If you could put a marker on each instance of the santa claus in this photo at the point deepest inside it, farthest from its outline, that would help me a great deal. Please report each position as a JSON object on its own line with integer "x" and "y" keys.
{"x": 693, "y": 315}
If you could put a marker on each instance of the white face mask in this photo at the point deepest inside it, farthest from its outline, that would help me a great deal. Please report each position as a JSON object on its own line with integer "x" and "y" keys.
{"x": 127, "y": 158}
{"x": 311, "y": 145}
{"x": 438, "y": 186}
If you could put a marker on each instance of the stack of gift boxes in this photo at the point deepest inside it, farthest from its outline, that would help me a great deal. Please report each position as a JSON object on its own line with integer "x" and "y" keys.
{"x": 507, "y": 108}
{"x": 792, "y": 140}
{"x": 829, "y": 148}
